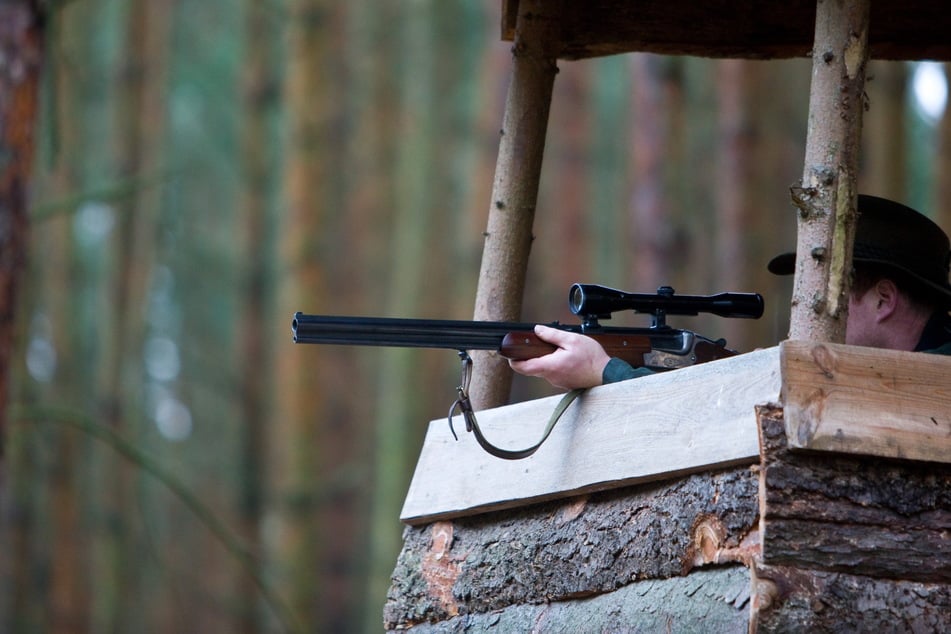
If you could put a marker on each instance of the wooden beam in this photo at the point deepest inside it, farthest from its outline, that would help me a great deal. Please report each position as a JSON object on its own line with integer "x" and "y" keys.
{"x": 899, "y": 30}
{"x": 867, "y": 401}
{"x": 655, "y": 427}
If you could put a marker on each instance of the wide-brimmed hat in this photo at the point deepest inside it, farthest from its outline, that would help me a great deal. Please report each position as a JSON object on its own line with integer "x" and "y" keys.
{"x": 897, "y": 237}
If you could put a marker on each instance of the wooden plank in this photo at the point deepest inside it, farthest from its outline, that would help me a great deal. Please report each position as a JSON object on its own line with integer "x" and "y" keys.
{"x": 867, "y": 401}
{"x": 910, "y": 29}
{"x": 647, "y": 429}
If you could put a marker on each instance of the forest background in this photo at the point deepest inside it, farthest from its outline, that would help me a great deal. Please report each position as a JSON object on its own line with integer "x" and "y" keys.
{"x": 173, "y": 461}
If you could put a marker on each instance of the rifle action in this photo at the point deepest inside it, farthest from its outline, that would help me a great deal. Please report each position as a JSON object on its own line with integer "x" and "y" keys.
{"x": 658, "y": 347}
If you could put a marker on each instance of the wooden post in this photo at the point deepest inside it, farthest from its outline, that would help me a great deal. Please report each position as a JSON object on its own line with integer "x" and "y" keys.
{"x": 508, "y": 236}
{"x": 827, "y": 198}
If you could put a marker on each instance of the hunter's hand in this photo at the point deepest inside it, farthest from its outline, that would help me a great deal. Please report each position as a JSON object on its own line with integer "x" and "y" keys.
{"x": 578, "y": 362}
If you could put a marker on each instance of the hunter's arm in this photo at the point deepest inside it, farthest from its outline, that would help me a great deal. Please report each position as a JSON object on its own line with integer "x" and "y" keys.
{"x": 619, "y": 370}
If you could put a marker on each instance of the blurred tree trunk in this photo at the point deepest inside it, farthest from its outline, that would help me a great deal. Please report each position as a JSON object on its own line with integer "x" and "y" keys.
{"x": 943, "y": 167}
{"x": 260, "y": 85}
{"x": 606, "y": 209}
{"x": 885, "y": 147}
{"x": 21, "y": 46}
{"x": 656, "y": 238}
{"x": 400, "y": 382}
{"x": 785, "y": 115}
{"x": 368, "y": 48}
{"x": 735, "y": 182}
{"x": 693, "y": 199}
{"x": 745, "y": 206}
{"x": 295, "y": 535}
{"x": 469, "y": 30}
{"x": 84, "y": 555}
{"x": 370, "y": 53}
{"x": 563, "y": 240}
{"x": 139, "y": 132}
{"x": 67, "y": 604}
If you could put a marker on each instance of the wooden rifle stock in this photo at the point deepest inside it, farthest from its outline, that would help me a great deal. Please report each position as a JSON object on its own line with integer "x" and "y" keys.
{"x": 527, "y": 345}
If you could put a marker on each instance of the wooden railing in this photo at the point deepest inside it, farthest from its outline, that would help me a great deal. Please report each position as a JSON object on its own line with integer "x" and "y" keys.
{"x": 836, "y": 398}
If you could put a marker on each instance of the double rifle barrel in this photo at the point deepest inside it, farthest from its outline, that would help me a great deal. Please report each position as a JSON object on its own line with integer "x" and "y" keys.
{"x": 402, "y": 333}
{"x": 441, "y": 333}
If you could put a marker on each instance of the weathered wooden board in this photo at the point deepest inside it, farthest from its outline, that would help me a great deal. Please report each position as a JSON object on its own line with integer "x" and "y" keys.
{"x": 867, "y": 401}
{"x": 659, "y": 426}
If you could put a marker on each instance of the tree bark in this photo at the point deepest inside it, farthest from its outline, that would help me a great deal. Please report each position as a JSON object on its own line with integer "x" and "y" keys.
{"x": 847, "y": 539}
{"x": 582, "y": 547}
{"x": 508, "y": 236}
{"x": 857, "y": 514}
{"x": 792, "y": 599}
{"x": 827, "y": 197}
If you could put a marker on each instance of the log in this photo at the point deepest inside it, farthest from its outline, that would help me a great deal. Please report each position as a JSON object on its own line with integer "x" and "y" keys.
{"x": 861, "y": 515}
{"x": 711, "y": 600}
{"x": 791, "y": 599}
{"x": 586, "y": 546}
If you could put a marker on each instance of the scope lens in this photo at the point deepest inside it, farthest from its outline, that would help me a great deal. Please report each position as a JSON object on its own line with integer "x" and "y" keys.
{"x": 576, "y": 298}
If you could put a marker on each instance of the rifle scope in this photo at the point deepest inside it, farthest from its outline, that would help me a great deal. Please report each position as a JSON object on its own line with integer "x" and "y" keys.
{"x": 592, "y": 300}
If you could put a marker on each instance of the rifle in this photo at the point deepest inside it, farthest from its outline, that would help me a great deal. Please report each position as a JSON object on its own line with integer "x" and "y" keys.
{"x": 658, "y": 347}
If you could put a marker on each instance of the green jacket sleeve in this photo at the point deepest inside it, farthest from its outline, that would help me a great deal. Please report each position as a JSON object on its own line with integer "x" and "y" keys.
{"x": 618, "y": 370}
{"x": 944, "y": 349}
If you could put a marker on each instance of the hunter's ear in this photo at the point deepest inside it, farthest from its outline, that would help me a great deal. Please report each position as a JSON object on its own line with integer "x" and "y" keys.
{"x": 886, "y": 297}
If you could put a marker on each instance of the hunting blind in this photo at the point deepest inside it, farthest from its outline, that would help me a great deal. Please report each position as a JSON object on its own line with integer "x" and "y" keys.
{"x": 803, "y": 487}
